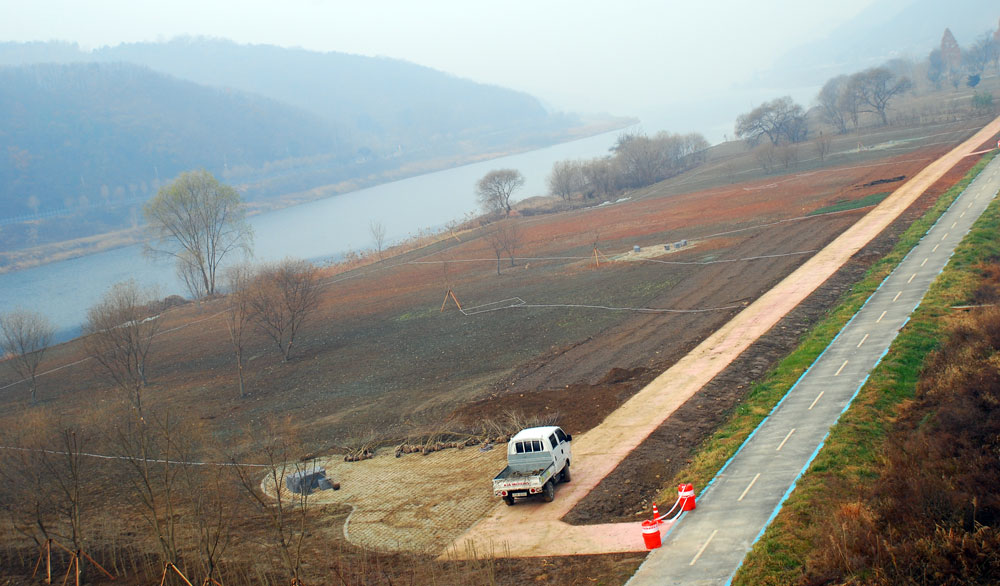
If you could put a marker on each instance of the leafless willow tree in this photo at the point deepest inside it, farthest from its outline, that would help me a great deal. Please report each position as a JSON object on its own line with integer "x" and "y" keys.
{"x": 495, "y": 189}
{"x": 239, "y": 315}
{"x": 287, "y": 512}
{"x": 377, "y": 230}
{"x": 600, "y": 178}
{"x": 566, "y": 179}
{"x": 643, "y": 160}
{"x": 199, "y": 222}
{"x": 830, "y": 103}
{"x": 119, "y": 332}
{"x": 283, "y": 296}
{"x": 24, "y": 337}
{"x": 780, "y": 120}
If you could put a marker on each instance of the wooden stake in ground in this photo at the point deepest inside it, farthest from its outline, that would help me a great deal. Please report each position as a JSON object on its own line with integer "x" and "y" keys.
{"x": 166, "y": 569}
{"x": 597, "y": 255}
{"x": 74, "y": 562}
{"x": 445, "y": 302}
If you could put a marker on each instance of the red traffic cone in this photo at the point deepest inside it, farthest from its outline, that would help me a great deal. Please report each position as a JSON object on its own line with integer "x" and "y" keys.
{"x": 651, "y": 534}
{"x": 656, "y": 514}
{"x": 686, "y": 494}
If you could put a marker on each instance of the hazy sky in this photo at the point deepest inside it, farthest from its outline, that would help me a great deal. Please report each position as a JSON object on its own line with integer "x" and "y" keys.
{"x": 619, "y": 56}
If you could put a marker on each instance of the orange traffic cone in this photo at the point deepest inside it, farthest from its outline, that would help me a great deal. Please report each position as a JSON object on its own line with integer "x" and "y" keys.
{"x": 686, "y": 494}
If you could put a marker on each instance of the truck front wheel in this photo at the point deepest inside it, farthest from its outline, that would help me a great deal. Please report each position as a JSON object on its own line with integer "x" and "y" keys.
{"x": 549, "y": 492}
{"x": 565, "y": 473}
{"x": 509, "y": 500}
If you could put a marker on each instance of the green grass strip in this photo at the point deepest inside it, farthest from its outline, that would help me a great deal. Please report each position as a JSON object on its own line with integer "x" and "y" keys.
{"x": 764, "y": 395}
{"x": 849, "y": 460}
{"x": 849, "y": 204}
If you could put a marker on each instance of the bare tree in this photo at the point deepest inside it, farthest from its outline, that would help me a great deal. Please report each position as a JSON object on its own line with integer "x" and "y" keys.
{"x": 643, "y": 161}
{"x": 24, "y": 337}
{"x": 282, "y": 297}
{"x": 823, "y": 145}
{"x": 510, "y": 237}
{"x": 65, "y": 469}
{"x": 119, "y": 332}
{"x": 788, "y": 154}
{"x": 212, "y": 499}
{"x": 979, "y": 55}
{"x": 190, "y": 274}
{"x": 566, "y": 179}
{"x": 876, "y": 87}
{"x": 495, "y": 241}
{"x": 600, "y": 177}
{"x": 935, "y": 68}
{"x": 239, "y": 284}
{"x": 496, "y": 188}
{"x": 830, "y": 103}
{"x": 199, "y": 222}
{"x": 288, "y": 512}
{"x": 152, "y": 448}
{"x": 779, "y": 120}
{"x": 26, "y": 494}
{"x": 766, "y": 155}
{"x": 377, "y": 230}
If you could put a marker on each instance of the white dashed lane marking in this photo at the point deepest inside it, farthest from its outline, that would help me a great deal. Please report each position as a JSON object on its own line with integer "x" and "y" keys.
{"x": 748, "y": 487}
{"x": 703, "y": 548}
{"x": 782, "y": 444}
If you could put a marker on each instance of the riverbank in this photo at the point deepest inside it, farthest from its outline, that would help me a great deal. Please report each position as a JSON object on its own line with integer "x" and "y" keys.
{"x": 50, "y": 252}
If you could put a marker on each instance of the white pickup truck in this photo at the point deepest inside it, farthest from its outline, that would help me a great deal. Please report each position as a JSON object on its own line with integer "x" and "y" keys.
{"x": 537, "y": 459}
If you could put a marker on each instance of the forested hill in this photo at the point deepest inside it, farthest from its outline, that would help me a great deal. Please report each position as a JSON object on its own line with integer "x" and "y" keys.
{"x": 89, "y": 135}
{"x": 86, "y": 135}
{"x": 385, "y": 105}
{"x": 388, "y": 102}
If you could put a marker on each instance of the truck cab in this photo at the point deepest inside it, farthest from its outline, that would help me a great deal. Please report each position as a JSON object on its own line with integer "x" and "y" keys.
{"x": 537, "y": 459}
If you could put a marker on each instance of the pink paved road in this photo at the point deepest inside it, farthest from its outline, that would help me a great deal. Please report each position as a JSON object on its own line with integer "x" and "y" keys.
{"x": 535, "y": 529}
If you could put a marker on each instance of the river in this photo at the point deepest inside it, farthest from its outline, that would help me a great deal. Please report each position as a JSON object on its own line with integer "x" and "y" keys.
{"x": 318, "y": 230}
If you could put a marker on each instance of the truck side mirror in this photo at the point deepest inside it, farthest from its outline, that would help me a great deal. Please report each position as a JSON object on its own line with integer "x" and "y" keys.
{"x": 569, "y": 437}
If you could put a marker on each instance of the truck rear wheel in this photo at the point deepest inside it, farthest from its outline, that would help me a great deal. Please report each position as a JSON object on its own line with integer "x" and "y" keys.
{"x": 509, "y": 500}
{"x": 549, "y": 491}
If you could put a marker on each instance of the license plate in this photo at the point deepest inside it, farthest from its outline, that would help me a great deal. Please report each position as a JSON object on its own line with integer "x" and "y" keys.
{"x": 520, "y": 493}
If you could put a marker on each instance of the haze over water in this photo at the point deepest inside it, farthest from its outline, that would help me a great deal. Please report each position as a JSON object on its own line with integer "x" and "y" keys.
{"x": 319, "y": 230}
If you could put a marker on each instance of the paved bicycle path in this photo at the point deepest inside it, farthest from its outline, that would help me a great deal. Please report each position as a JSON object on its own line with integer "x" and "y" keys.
{"x": 707, "y": 547}
{"x": 533, "y": 529}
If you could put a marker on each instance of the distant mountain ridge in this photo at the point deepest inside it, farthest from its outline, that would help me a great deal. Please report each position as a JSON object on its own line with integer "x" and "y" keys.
{"x": 82, "y": 133}
{"x": 93, "y": 134}
{"x": 385, "y": 104}
{"x": 885, "y": 30}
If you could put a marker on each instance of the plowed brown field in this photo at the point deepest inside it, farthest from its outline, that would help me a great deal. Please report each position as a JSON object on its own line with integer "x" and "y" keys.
{"x": 380, "y": 357}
